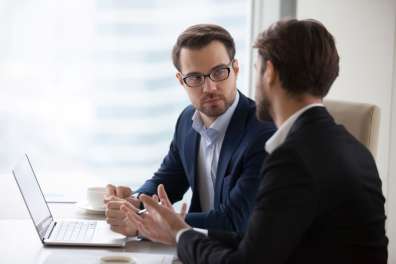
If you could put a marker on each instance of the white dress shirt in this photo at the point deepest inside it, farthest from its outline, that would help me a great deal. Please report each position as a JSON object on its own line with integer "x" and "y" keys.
{"x": 280, "y": 135}
{"x": 209, "y": 152}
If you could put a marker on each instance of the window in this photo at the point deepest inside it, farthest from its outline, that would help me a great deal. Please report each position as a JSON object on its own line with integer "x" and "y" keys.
{"x": 88, "y": 88}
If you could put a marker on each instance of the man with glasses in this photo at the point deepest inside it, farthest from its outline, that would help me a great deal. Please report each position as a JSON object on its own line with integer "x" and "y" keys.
{"x": 218, "y": 145}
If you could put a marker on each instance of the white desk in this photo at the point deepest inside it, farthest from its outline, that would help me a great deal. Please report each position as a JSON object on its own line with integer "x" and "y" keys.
{"x": 19, "y": 243}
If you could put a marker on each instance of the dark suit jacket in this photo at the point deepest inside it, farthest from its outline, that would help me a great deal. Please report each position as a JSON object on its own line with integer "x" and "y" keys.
{"x": 237, "y": 178}
{"x": 319, "y": 201}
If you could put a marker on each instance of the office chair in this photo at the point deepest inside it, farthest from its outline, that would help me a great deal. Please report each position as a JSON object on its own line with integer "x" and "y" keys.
{"x": 360, "y": 119}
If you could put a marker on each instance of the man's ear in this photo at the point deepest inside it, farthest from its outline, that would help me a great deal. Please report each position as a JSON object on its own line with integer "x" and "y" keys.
{"x": 235, "y": 66}
{"x": 270, "y": 74}
{"x": 179, "y": 77}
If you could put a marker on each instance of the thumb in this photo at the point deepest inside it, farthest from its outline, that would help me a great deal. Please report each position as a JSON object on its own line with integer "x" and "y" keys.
{"x": 163, "y": 196}
{"x": 151, "y": 204}
{"x": 110, "y": 190}
{"x": 129, "y": 207}
{"x": 183, "y": 211}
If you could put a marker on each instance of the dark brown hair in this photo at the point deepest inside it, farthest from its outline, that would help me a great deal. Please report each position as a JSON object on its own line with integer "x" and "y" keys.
{"x": 303, "y": 53}
{"x": 199, "y": 36}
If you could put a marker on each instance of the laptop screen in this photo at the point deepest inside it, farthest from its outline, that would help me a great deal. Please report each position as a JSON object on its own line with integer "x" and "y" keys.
{"x": 32, "y": 195}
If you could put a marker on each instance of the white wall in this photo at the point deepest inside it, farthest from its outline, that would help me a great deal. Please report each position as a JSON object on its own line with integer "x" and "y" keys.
{"x": 364, "y": 33}
{"x": 365, "y": 37}
{"x": 392, "y": 169}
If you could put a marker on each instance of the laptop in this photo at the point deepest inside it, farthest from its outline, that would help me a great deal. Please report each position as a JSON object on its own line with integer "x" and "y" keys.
{"x": 73, "y": 232}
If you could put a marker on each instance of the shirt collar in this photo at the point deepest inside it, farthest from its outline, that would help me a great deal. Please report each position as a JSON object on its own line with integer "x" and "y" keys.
{"x": 280, "y": 135}
{"x": 219, "y": 126}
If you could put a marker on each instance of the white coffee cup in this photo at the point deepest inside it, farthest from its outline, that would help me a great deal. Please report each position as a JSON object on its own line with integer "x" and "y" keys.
{"x": 95, "y": 197}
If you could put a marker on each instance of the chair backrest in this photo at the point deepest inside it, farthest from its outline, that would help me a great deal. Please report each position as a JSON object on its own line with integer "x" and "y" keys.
{"x": 360, "y": 119}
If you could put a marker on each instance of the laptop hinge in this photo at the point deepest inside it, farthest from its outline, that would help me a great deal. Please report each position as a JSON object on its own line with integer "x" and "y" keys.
{"x": 50, "y": 228}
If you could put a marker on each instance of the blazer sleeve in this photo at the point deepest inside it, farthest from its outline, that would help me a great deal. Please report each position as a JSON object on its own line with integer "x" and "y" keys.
{"x": 171, "y": 173}
{"x": 285, "y": 208}
{"x": 233, "y": 213}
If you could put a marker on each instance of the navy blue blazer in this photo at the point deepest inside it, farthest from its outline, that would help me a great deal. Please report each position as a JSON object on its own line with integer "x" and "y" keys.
{"x": 237, "y": 177}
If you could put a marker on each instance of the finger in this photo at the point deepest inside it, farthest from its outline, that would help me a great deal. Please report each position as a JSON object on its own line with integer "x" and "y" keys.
{"x": 162, "y": 193}
{"x": 163, "y": 196}
{"x": 115, "y": 222}
{"x": 150, "y": 204}
{"x": 134, "y": 201}
{"x": 108, "y": 198}
{"x": 147, "y": 227}
{"x": 123, "y": 192}
{"x": 119, "y": 192}
{"x": 114, "y": 205}
{"x": 155, "y": 197}
{"x": 115, "y": 214}
{"x": 112, "y": 198}
{"x": 131, "y": 207}
{"x": 119, "y": 229}
{"x": 133, "y": 217}
{"x": 183, "y": 211}
{"x": 110, "y": 189}
{"x": 147, "y": 230}
{"x": 144, "y": 232}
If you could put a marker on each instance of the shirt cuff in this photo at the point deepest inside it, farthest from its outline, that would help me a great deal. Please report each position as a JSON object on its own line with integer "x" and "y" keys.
{"x": 181, "y": 231}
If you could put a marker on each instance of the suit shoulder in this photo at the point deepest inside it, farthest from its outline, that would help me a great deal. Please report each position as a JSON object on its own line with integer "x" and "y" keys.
{"x": 187, "y": 112}
{"x": 186, "y": 115}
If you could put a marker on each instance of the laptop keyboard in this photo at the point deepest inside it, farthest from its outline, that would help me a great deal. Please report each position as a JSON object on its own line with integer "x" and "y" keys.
{"x": 74, "y": 231}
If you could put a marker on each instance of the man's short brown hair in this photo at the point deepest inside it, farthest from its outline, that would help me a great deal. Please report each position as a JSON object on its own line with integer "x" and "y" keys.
{"x": 199, "y": 36}
{"x": 303, "y": 53}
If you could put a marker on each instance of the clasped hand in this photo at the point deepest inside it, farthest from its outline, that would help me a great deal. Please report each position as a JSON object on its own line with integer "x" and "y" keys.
{"x": 160, "y": 223}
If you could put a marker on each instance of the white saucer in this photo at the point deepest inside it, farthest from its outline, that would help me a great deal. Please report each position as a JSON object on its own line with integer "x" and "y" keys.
{"x": 84, "y": 205}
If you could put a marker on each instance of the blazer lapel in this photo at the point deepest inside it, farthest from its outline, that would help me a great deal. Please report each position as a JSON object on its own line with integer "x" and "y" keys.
{"x": 191, "y": 154}
{"x": 231, "y": 140}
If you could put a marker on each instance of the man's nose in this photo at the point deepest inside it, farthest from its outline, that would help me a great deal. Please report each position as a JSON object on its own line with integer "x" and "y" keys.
{"x": 209, "y": 85}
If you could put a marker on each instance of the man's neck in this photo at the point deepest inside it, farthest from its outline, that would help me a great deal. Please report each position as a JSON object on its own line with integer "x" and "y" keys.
{"x": 207, "y": 120}
{"x": 286, "y": 107}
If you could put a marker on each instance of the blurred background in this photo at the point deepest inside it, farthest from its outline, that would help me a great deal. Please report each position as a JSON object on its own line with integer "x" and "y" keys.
{"x": 88, "y": 88}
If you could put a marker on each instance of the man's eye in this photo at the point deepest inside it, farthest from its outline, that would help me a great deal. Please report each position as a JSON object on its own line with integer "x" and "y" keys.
{"x": 219, "y": 73}
{"x": 194, "y": 78}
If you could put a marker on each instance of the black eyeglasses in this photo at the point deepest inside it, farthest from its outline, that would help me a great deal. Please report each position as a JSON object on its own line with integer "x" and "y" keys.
{"x": 218, "y": 74}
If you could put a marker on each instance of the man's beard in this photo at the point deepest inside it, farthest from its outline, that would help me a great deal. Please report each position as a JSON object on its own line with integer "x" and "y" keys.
{"x": 263, "y": 110}
{"x": 215, "y": 111}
